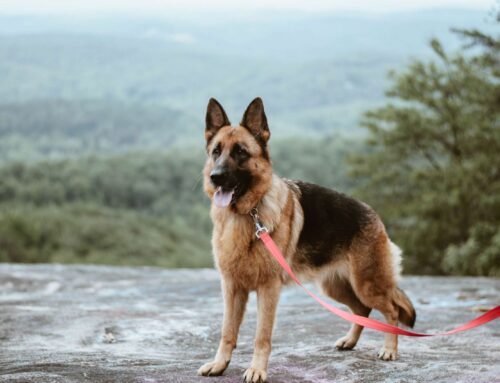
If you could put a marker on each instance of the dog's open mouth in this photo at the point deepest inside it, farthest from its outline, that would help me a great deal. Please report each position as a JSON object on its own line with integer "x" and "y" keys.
{"x": 222, "y": 198}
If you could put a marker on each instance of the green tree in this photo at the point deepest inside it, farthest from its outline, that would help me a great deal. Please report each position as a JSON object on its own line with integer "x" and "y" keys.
{"x": 432, "y": 163}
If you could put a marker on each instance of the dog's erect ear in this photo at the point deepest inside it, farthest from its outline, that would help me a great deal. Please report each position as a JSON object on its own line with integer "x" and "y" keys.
{"x": 255, "y": 120}
{"x": 216, "y": 118}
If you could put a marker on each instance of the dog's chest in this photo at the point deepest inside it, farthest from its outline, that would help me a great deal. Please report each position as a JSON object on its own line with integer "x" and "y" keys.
{"x": 239, "y": 255}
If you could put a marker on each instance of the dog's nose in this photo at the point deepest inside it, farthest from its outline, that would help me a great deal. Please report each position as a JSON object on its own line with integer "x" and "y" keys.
{"x": 219, "y": 176}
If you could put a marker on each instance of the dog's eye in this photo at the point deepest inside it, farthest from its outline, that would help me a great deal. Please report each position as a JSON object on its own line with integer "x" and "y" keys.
{"x": 216, "y": 151}
{"x": 239, "y": 151}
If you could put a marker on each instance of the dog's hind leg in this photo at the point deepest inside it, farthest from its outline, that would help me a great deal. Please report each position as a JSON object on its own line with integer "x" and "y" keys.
{"x": 374, "y": 280}
{"x": 390, "y": 349}
{"x": 340, "y": 289}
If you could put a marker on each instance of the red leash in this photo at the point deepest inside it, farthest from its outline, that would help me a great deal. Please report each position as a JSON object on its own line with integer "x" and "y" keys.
{"x": 264, "y": 236}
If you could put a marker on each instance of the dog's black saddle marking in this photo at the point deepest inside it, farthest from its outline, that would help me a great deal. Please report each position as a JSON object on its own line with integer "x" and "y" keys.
{"x": 331, "y": 221}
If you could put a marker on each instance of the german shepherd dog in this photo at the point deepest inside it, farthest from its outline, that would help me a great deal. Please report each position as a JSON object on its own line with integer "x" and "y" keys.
{"x": 326, "y": 237}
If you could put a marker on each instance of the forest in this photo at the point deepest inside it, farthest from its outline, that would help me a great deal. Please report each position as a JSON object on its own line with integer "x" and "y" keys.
{"x": 136, "y": 208}
{"x": 115, "y": 178}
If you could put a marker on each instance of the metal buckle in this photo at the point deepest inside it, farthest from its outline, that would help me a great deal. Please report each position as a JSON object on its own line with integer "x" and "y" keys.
{"x": 259, "y": 227}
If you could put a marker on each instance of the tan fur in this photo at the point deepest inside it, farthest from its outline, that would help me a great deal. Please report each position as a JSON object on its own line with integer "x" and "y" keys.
{"x": 363, "y": 278}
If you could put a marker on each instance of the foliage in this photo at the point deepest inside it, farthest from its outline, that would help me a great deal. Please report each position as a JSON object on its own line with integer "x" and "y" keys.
{"x": 138, "y": 208}
{"x": 432, "y": 166}
{"x": 95, "y": 234}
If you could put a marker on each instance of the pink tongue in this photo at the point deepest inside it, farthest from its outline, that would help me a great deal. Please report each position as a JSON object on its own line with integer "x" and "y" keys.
{"x": 223, "y": 198}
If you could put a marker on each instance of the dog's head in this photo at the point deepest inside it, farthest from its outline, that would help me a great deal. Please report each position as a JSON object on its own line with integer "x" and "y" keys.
{"x": 238, "y": 170}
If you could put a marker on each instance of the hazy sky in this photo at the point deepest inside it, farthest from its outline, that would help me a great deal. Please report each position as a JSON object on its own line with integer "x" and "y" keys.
{"x": 93, "y": 6}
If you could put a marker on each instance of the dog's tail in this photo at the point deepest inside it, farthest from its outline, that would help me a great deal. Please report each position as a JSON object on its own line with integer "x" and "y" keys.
{"x": 407, "y": 313}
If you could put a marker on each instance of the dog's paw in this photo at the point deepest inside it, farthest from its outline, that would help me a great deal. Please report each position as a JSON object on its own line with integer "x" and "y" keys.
{"x": 214, "y": 368}
{"x": 346, "y": 343}
{"x": 387, "y": 353}
{"x": 255, "y": 375}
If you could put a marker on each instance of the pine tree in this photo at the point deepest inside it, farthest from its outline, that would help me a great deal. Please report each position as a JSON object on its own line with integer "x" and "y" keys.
{"x": 432, "y": 161}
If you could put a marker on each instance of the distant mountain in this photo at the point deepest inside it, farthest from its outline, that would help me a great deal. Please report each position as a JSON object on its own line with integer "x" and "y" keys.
{"x": 149, "y": 79}
{"x": 52, "y": 129}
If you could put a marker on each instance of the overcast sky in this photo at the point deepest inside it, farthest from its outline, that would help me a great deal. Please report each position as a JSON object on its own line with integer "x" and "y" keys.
{"x": 94, "y": 6}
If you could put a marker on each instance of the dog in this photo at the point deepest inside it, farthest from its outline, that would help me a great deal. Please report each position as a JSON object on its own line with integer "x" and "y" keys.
{"x": 327, "y": 237}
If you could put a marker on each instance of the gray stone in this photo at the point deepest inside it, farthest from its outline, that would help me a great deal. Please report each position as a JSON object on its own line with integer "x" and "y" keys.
{"x": 119, "y": 324}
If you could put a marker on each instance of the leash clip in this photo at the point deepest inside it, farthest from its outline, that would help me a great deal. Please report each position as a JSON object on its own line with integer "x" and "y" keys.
{"x": 259, "y": 227}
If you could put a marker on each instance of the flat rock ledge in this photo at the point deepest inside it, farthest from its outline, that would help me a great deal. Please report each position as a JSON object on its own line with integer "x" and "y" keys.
{"x": 117, "y": 324}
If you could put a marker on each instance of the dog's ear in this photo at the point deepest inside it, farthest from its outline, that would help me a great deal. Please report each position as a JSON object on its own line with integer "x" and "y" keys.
{"x": 255, "y": 120}
{"x": 216, "y": 118}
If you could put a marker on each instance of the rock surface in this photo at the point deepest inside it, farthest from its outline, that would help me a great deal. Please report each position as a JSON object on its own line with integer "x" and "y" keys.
{"x": 111, "y": 324}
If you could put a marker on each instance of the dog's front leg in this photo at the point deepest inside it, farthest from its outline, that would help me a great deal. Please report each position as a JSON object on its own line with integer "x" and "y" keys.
{"x": 267, "y": 302}
{"x": 235, "y": 300}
